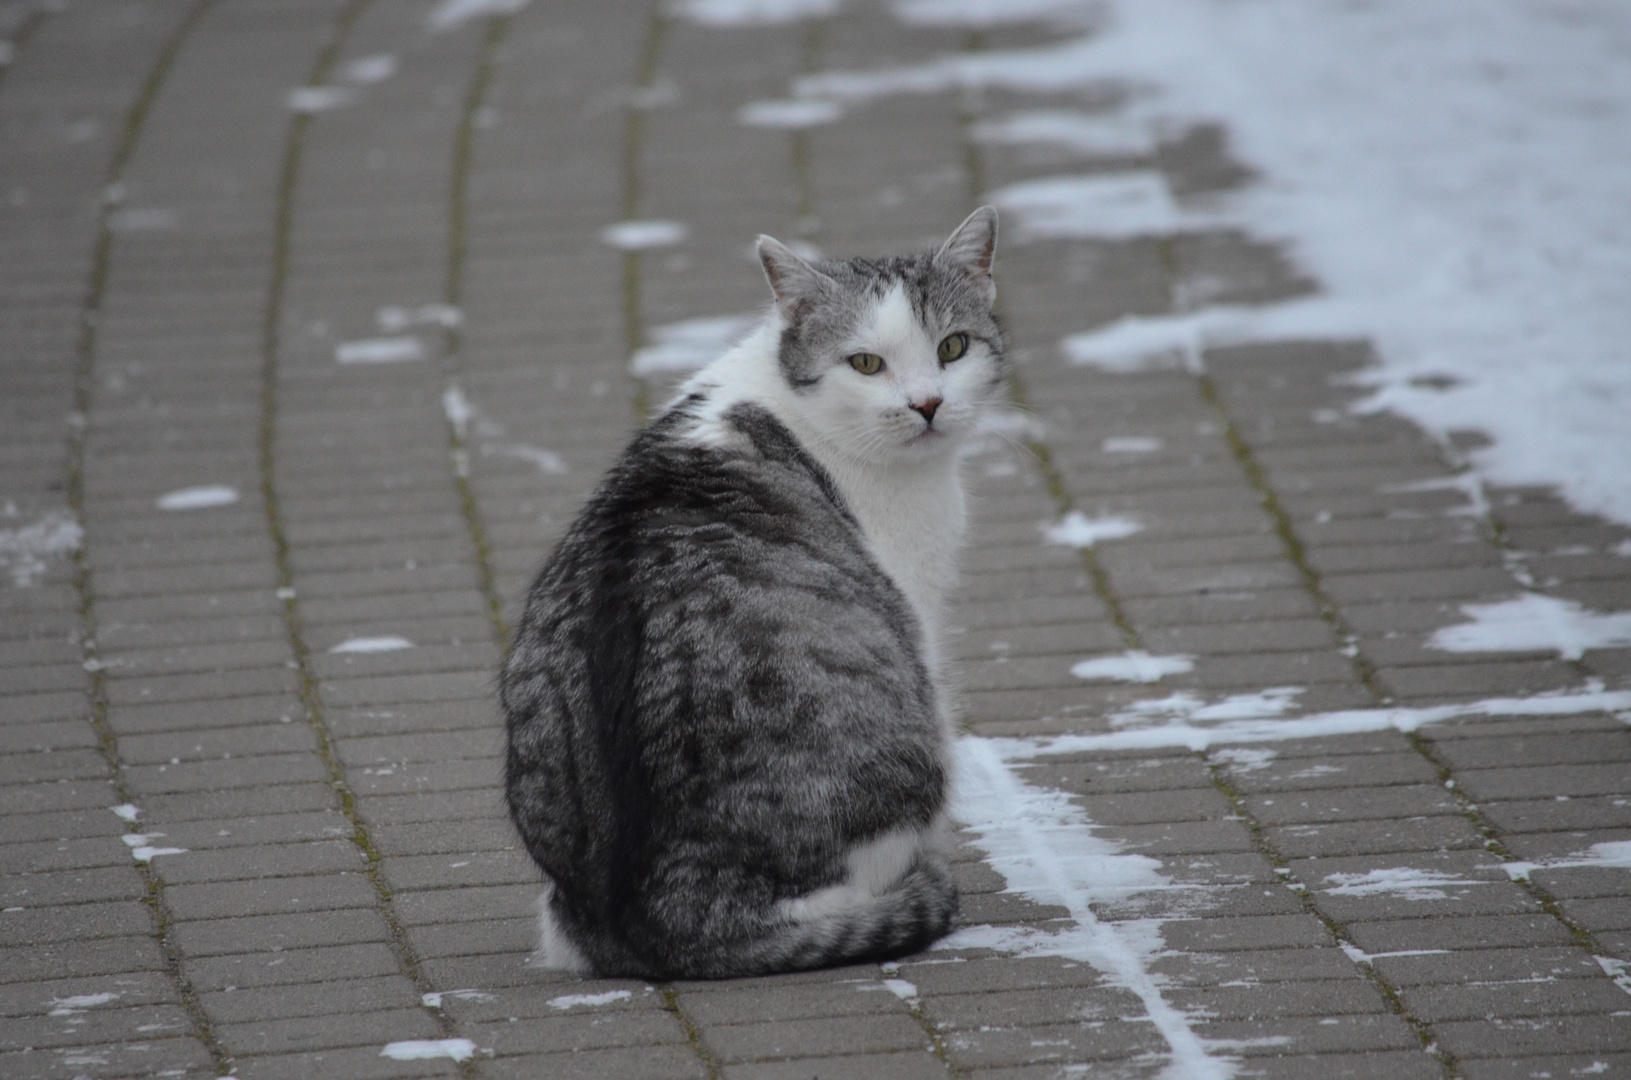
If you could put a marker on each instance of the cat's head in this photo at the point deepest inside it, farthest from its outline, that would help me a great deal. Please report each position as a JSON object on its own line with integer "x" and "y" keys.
{"x": 896, "y": 358}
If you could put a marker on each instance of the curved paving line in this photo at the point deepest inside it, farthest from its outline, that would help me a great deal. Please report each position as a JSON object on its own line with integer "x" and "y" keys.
{"x": 1054, "y": 479}
{"x": 310, "y": 691}
{"x": 84, "y": 584}
{"x": 458, "y": 234}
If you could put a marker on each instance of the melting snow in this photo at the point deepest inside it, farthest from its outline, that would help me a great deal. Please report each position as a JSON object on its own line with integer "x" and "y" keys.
{"x": 1044, "y": 847}
{"x": 1133, "y": 666}
{"x": 901, "y": 988}
{"x": 372, "y": 644}
{"x": 1403, "y": 881}
{"x": 797, "y": 113}
{"x": 1079, "y": 531}
{"x": 451, "y": 14}
{"x": 1130, "y": 444}
{"x": 1245, "y": 760}
{"x": 572, "y": 1001}
{"x": 1614, "y": 855}
{"x": 198, "y": 498}
{"x": 396, "y": 318}
{"x": 457, "y": 408}
{"x": 422, "y": 1049}
{"x": 1104, "y": 206}
{"x": 1088, "y": 133}
{"x": 1534, "y": 623}
{"x": 382, "y": 350}
{"x": 68, "y": 1006}
{"x": 143, "y": 219}
{"x": 126, "y": 811}
{"x": 640, "y": 235}
{"x": 141, "y": 851}
{"x": 315, "y": 99}
{"x": 366, "y": 70}
{"x": 748, "y": 12}
{"x": 434, "y": 1000}
{"x": 983, "y": 12}
{"x": 23, "y": 551}
{"x": 1144, "y": 342}
{"x": 694, "y": 343}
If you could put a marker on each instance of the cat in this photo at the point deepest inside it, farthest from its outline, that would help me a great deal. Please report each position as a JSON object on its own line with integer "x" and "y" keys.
{"x": 729, "y": 741}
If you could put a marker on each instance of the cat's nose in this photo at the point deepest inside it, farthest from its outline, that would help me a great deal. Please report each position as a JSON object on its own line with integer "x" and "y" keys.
{"x": 927, "y": 409}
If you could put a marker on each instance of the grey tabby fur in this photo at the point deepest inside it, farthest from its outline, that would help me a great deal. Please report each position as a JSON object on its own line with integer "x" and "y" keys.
{"x": 717, "y": 695}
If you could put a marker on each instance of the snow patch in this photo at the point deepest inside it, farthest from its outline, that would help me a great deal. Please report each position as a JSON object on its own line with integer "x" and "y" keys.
{"x": 752, "y": 12}
{"x": 987, "y": 12}
{"x": 1100, "y": 206}
{"x": 397, "y": 318}
{"x": 1148, "y": 342}
{"x": 573, "y": 1001}
{"x": 1133, "y": 666}
{"x": 372, "y": 645}
{"x": 457, "y": 408}
{"x": 902, "y": 989}
{"x": 143, "y": 219}
{"x": 1077, "y": 530}
{"x": 24, "y": 551}
{"x": 202, "y": 497}
{"x": 452, "y": 14}
{"x": 424, "y": 1049}
{"x": 434, "y": 1000}
{"x": 380, "y": 350}
{"x": 126, "y": 811}
{"x": 142, "y": 851}
{"x": 791, "y": 115}
{"x": 691, "y": 344}
{"x": 1044, "y": 847}
{"x": 1244, "y": 760}
{"x": 1130, "y": 444}
{"x": 1534, "y": 623}
{"x": 1405, "y": 882}
{"x": 68, "y": 1006}
{"x": 1614, "y": 855}
{"x": 367, "y": 70}
{"x": 309, "y": 100}
{"x": 1096, "y": 134}
{"x": 641, "y": 235}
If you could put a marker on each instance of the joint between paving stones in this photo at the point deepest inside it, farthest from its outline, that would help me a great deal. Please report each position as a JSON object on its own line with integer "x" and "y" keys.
{"x": 1420, "y": 1028}
{"x": 310, "y": 692}
{"x": 85, "y": 349}
{"x": 693, "y": 1034}
{"x": 457, "y": 245}
{"x": 807, "y": 224}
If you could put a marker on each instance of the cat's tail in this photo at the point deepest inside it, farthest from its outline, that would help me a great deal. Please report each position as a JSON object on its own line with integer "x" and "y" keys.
{"x": 849, "y": 925}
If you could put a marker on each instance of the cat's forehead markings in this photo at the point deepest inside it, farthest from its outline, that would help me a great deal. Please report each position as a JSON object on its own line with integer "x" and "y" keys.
{"x": 891, "y": 324}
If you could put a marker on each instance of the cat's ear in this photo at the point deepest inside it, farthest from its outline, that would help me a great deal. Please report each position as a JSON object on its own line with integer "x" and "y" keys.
{"x": 971, "y": 248}
{"x": 795, "y": 282}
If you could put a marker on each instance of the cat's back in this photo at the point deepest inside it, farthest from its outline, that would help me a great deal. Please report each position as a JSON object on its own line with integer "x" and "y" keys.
{"x": 712, "y": 671}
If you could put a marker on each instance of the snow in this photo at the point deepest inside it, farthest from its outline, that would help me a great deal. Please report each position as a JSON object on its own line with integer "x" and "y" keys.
{"x": 1456, "y": 185}
{"x": 1131, "y": 444}
{"x": 24, "y": 550}
{"x": 434, "y": 1000}
{"x": 1147, "y": 342}
{"x": 1405, "y": 882}
{"x": 142, "y": 851}
{"x": 308, "y": 100}
{"x": 372, "y": 645}
{"x": 126, "y": 811}
{"x": 366, "y": 70}
{"x": 793, "y": 114}
{"x": 1091, "y": 134}
{"x": 1180, "y": 729}
{"x": 1133, "y": 666}
{"x": 202, "y": 497}
{"x": 750, "y": 12}
{"x": 572, "y": 1001}
{"x": 1104, "y": 206}
{"x": 452, "y": 14}
{"x": 396, "y": 318}
{"x": 380, "y": 350}
{"x": 982, "y": 12}
{"x": 641, "y": 235}
{"x": 68, "y": 1006}
{"x": 1044, "y": 848}
{"x": 1534, "y": 623}
{"x": 1246, "y": 760}
{"x": 1077, "y": 530}
{"x": 143, "y": 219}
{"x": 457, "y": 408}
{"x": 423, "y": 1049}
{"x": 691, "y": 344}
{"x": 901, "y": 988}
{"x": 1613, "y": 855}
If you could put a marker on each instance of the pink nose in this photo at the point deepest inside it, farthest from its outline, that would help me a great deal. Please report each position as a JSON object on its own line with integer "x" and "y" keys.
{"x": 927, "y": 409}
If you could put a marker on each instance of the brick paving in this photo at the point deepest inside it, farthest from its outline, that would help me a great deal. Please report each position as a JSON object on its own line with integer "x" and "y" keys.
{"x": 182, "y": 256}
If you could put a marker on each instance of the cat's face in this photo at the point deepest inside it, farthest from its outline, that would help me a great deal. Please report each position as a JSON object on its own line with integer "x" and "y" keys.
{"x": 893, "y": 359}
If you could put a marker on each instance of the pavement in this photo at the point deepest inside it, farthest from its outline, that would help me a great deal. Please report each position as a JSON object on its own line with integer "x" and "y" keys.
{"x": 229, "y": 847}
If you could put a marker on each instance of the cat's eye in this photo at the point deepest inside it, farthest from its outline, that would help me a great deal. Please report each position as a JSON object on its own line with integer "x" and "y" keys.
{"x": 866, "y": 363}
{"x": 953, "y": 348}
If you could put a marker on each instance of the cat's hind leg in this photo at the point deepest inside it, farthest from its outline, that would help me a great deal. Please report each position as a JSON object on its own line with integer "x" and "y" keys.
{"x": 555, "y": 950}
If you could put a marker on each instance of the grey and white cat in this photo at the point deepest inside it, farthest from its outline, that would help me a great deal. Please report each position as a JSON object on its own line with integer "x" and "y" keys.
{"x": 729, "y": 744}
